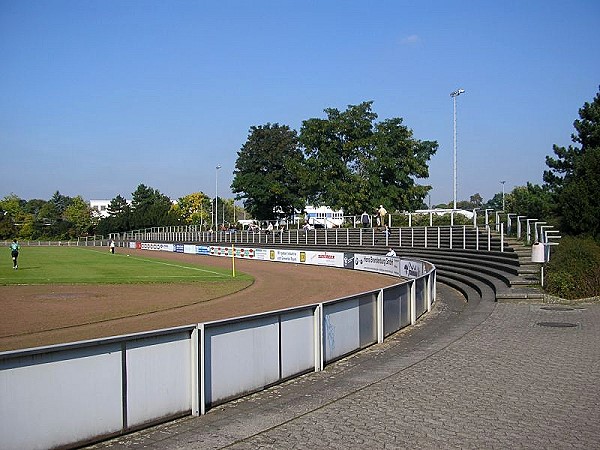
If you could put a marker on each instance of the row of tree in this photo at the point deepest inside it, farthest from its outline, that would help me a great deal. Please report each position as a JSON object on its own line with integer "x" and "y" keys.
{"x": 63, "y": 217}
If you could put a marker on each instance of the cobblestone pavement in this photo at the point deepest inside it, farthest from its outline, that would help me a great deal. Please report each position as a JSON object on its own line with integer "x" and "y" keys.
{"x": 484, "y": 375}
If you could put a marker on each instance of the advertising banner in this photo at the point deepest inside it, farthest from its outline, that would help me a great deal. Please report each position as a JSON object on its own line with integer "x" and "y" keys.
{"x": 189, "y": 249}
{"x": 246, "y": 253}
{"x": 348, "y": 260}
{"x": 178, "y": 248}
{"x": 411, "y": 269}
{"x": 285, "y": 255}
{"x": 331, "y": 259}
{"x": 202, "y": 250}
{"x": 155, "y": 246}
{"x": 261, "y": 254}
{"x": 377, "y": 263}
{"x": 220, "y": 251}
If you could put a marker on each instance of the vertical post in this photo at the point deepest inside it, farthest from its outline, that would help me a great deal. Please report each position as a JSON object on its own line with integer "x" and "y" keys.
{"x": 413, "y": 302}
{"x": 202, "y": 373}
{"x": 232, "y": 261}
{"x": 428, "y": 282}
{"x": 519, "y": 231}
{"x": 318, "y": 337}
{"x": 194, "y": 357}
{"x": 380, "y": 330}
{"x": 455, "y": 94}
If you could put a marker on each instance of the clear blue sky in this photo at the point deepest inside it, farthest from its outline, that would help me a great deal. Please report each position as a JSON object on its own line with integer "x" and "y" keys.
{"x": 98, "y": 96}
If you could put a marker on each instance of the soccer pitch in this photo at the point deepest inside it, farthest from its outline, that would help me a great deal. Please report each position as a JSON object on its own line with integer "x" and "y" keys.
{"x": 85, "y": 265}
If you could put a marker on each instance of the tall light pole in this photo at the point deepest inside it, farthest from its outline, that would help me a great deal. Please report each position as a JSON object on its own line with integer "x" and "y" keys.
{"x": 216, "y": 195}
{"x": 455, "y": 94}
{"x": 503, "y": 205}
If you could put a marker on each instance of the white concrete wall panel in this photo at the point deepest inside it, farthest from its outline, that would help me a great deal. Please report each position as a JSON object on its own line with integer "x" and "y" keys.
{"x": 297, "y": 342}
{"x": 367, "y": 320}
{"x": 158, "y": 377}
{"x": 60, "y": 397}
{"x": 341, "y": 330}
{"x": 240, "y": 357}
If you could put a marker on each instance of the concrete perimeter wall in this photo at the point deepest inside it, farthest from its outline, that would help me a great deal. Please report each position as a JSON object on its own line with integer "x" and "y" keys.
{"x": 71, "y": 394}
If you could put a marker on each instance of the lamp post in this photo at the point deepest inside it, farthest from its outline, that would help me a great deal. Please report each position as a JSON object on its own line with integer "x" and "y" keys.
{"x": 503, "y": 205}
{"x": 216, "y": 195}
{"x": 455, "y": 94}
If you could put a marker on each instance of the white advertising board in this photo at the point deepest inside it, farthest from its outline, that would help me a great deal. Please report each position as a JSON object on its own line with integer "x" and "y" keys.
{"x": 377, "y": 263}
{"x": 240, "y": 252}
{"x": 332, "y": 259}
{"x": 191, "y": 249}
{"x": 281, "y": 255}
{"x": 155, "y": 246}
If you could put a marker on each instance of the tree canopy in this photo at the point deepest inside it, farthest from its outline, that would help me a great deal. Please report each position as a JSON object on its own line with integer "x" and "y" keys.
{"x": 346, "y": 161}
{"x": 268, "y": 174}
{"x": 355, "y": 164}
{"x": 574, "y": 174}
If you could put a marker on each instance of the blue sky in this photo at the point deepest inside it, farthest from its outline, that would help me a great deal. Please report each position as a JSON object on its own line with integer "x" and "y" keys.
{"x": 98, "y": 96}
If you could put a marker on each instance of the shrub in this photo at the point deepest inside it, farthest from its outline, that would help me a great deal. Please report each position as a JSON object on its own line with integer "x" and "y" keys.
{"x": 574, "y": 269}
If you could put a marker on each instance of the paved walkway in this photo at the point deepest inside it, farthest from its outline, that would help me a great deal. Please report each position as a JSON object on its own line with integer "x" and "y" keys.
{"x": 483, "y": 375}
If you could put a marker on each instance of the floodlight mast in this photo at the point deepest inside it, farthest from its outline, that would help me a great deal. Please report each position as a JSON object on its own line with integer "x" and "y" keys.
{"x": 216, "y": 211}
{"x": 455, "y": 94}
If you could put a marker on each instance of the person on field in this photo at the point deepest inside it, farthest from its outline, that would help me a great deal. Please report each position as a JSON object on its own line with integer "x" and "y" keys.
{"x": 112, "y": 246}
{"x": 14, "y": 252}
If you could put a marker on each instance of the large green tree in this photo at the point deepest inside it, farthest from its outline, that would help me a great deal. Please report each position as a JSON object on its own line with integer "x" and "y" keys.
{"x": 574, "y": 174}
{"x": 150, "y": 208}
{"x": 268, "y": 173}
{"x": 79, "y": 215}
{"x": 194, "y": 209}
{"x": 356, "y": 164}
{"x": 119, "y": 217}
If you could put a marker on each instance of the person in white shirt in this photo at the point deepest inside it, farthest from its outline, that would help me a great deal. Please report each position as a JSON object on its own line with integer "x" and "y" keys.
{"x": 391, "y": 252}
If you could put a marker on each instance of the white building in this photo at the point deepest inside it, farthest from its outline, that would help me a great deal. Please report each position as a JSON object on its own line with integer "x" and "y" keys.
{"x": 324, "y": 217}
{"x": 100, "y": 207}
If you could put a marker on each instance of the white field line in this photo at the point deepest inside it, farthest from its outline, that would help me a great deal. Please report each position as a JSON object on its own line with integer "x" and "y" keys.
{"x": 182, "y": 267}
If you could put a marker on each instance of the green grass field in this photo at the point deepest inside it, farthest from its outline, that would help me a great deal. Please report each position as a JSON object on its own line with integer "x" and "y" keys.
{"x": 81, "y": 265}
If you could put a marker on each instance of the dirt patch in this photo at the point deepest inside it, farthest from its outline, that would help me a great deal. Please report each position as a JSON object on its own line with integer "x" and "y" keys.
{"x": 34, "y": 316}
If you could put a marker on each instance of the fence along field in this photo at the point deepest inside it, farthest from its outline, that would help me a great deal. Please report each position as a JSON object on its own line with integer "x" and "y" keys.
{"x": 77, "y": 265}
